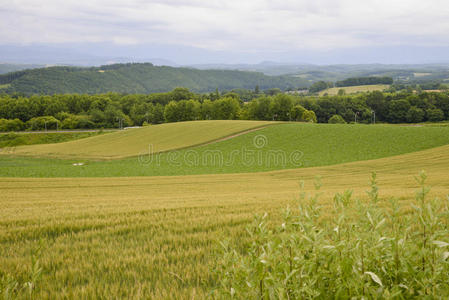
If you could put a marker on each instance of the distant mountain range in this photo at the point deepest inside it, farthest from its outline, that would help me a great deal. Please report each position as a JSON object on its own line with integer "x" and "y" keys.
{"x": 138, "y": 78}
{"x": 7, "y": 68}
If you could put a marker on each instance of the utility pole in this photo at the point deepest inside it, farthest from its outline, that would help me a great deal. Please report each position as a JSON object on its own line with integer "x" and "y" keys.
{"x": 374, "y": 116}
{"x": 120, "y": 122}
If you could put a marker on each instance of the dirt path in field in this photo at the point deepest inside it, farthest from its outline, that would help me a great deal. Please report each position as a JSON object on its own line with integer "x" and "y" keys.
{"x": 235, "y": 135}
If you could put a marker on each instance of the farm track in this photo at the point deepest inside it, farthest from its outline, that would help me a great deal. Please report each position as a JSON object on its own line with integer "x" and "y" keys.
{"x": 229, "y": 137}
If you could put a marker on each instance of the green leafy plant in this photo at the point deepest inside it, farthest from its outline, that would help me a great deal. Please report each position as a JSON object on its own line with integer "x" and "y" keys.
{"x": 372, "y": 249}
{"x": 12, "y": 287}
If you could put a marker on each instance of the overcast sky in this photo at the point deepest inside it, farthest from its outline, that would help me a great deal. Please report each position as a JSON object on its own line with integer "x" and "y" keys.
{"x": 247, "y": 28}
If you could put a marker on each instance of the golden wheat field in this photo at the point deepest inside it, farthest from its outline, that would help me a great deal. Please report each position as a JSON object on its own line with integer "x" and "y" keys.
{"x": 154, "y": 237}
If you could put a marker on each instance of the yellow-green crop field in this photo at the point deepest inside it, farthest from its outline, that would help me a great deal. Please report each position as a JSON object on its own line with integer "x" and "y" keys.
{"x": 132, "y": 142}
{"x": 355, "y": 89}
{"x": 156, "y": 237}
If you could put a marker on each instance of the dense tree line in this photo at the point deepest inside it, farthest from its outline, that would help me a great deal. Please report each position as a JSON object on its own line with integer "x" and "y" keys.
{"x": 109, "y": 110}
{"x": 364, "y": 81}
{"x": 403, "y": 107}
{"x": 142, "y": 78}
{"x": 320, "y": 86}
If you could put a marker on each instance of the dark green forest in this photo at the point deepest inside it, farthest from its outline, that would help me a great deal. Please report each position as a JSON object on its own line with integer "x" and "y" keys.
{"x": 137, "y": 78}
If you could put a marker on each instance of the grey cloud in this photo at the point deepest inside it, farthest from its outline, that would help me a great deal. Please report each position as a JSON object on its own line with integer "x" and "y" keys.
{"x": 261, "y": 25}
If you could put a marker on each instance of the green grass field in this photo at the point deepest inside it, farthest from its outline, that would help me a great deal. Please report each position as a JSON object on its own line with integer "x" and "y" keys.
{"x": 282, "y": 146}
{"x": 102, "y": 230}
{"x": 31, "y": 138}
{"x": 132, "y": 142}
{"x": 355, "y": 89}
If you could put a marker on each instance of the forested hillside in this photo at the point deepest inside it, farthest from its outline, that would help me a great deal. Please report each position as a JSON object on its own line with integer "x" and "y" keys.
{"x": 137, "y": 79}
{"x": 364, "y": 81}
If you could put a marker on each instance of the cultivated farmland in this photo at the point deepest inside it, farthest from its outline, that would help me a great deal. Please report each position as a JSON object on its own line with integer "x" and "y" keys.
{"x": 279, "y": 146}
{"x": 132, "y": 142}
{"x": 74, "y": 236}
{"x": 355, "y": 89}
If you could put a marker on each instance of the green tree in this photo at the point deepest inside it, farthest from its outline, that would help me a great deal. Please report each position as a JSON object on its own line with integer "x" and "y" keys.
{"x": 226, "y": 109}
{"x": 415, "y": 115}
{"x": 206, "y": 110}
{"x": 398, "y": 110}
{"x": 77, "y": 122}
{"x": 171, "y": 113}
{"x": 259, "y": 109}
{"x": 41, "y": 123}
{"x": 297, "y": 112}
{"x": 11, "y": 125}
{"x": 309, "y": 116}
{"x": 280, "y": 107}
{"x": 319, "y": 86}
{"x": 273, "y": 91}
{"x": 157, "y": 116}
{"x": 435, "y": 115}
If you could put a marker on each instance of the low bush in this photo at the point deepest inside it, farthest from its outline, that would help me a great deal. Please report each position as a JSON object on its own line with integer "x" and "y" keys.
{"x": 336, "y": 119}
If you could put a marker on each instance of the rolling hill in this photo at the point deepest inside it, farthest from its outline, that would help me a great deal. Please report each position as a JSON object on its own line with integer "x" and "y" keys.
{"x": 276, "y": 147}
{"x": 138, "y": 78}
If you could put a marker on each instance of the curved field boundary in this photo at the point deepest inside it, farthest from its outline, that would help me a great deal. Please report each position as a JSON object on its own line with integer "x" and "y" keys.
{"x": 230, "y": 136}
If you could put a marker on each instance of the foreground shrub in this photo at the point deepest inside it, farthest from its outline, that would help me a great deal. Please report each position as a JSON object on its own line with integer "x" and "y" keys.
{"x": 365, "y": 250}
